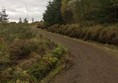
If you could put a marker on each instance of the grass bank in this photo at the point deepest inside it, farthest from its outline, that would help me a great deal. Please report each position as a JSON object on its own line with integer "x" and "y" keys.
{"x": 27, "y": 57}
{"x": 100, "y": 33}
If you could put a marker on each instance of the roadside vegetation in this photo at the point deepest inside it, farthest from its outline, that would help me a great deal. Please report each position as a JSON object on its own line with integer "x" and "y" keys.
{"x": 27, "y": 57}
{"x": 94, "y": 20}
{"x": 103, "y": 34}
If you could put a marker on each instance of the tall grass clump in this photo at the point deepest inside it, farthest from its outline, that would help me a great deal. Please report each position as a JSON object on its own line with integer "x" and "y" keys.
{"x": 100, "y": 33}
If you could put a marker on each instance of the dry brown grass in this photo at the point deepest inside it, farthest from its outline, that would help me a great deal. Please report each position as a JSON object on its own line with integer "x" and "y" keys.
{"x": 100, "y": 33}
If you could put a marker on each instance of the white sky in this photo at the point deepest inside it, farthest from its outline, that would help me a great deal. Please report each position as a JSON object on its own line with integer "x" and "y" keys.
{"x": 17, "y": 8}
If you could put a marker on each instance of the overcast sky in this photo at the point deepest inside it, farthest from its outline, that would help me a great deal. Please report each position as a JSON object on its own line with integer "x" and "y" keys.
{"x": 17, "y": 8}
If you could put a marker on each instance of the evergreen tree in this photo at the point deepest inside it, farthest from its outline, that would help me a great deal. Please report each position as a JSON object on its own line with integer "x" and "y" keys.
{"x": 20, "y": 20}
{"x": 25, "y": 20}
{"x": 3, "y": 16}
{"x": 53, "y": 13}
{"x": 0, "y": 18}
{"x": 68, "y": 16}
{"x": 113, "y": 11}
{"x": 103, "y": 11}
{"x": 32, "y": 20}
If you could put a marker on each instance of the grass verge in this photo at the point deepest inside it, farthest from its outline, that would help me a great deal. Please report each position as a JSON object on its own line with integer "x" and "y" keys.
{"x": 27, "y": 57}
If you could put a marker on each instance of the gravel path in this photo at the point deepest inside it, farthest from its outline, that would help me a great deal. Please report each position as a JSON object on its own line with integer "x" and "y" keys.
{"x": 92, "y": 64}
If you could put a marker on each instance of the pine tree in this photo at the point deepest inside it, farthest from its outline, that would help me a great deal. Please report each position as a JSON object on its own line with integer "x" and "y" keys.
{"x": 101, "y": 11}
{"x": 0, "y": 18}
{"x": 53, "y": 13}
{"x": 32, "y": 20}
{"x": 3, "y": 16}
{"x": 25, "y": 20}
{"x": 20, "y": 20}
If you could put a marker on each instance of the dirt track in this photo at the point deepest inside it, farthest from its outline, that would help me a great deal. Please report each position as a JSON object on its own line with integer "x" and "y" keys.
{"x": 92, "y": 64}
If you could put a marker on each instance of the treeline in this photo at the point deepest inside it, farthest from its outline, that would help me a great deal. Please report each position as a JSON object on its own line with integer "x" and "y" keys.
{"x": 76, "y": 11}
{"x": 101, "y": 11}
{"x": 84, "y": 19}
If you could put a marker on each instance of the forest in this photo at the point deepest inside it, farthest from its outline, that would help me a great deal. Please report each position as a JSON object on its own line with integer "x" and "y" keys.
{"x": 94, "y": 20}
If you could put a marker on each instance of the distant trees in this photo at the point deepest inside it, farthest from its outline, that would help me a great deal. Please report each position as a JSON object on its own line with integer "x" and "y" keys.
{"x": 73, "y": 11}
{"x": 53, "y": 13}
{"x": 3, "y": 16}
{"x": 32, "y": 20}
{"x": 20, "y": 20}
{"x": 103, "y": 11}
{"x": 25, "y": 20}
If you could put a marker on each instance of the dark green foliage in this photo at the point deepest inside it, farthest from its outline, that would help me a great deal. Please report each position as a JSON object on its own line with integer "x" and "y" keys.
{"x": 53, "y": 13}
{"x": 92, "y": 10}
{"x": 106, "y": 13}
{"x": 68, "y": 16}
{"x": 83, "y": 11}
{"x": 3, "y": 16}
{"x": 47, "y": 63}
{"x": 58, "y": 52}
{"x": 20, "y": 20}
{"x": 25, "y": 20}
{"x": 41, "y": 69}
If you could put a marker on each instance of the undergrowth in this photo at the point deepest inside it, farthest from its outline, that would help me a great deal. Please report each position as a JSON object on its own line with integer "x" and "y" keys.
{"x": 28, "y": 57}
{"x": 107, "y": 34}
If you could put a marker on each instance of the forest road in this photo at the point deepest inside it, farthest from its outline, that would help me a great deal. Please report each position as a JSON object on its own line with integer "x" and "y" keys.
{"x": 92, "y": 63}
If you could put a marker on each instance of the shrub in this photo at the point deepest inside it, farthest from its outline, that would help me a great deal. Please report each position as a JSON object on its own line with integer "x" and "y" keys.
{"x": 48, "y": 62}
{"x": 58, "y": 52}
{"x": 21, "y": 49}
{"x": 43, "y": 67}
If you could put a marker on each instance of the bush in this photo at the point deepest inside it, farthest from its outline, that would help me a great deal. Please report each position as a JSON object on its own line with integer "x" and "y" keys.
{"x": 21, "y": 49}
{"x": 58, "y": 52}
{"x": 48, "y": 62}
{"x": 42, "y": 68}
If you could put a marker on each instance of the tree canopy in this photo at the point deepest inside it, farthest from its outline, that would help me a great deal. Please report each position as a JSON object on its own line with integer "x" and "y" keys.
{"x": 53, "y": 13}
{"x": 69, "y": 11}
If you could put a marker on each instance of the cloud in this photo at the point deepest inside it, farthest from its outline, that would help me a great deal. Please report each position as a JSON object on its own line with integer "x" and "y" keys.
{"x": 18, "y": 8}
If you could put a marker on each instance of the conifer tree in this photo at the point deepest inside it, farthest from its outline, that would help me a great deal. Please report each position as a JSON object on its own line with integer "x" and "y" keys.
{"x": 53, "y": 13}
{"x": 20, "y": 20}
{"x": 3, "y": 16}
{"x": 25, "y": 20}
